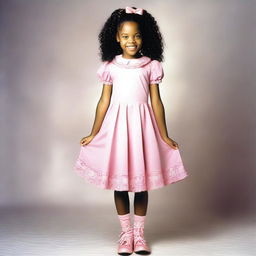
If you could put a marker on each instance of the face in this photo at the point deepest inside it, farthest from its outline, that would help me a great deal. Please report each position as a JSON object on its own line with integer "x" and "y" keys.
{"x": 130, "y": 39}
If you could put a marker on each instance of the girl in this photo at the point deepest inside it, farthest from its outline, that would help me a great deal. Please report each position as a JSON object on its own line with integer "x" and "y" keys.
{"x": 129, "y": 149}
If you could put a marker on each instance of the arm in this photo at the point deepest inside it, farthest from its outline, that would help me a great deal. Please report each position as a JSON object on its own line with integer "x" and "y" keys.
{"x": 102, "y": 108}
{"x": 158, "y": 109}
{"x": 159, "y": 112}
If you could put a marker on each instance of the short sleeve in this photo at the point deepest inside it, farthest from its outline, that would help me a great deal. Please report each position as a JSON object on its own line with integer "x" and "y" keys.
{"x": 103, "y": 73}
{"x": 156, "y": 72}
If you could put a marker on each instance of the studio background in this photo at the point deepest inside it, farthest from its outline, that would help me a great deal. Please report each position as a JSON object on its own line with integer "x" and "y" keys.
{"x": 48, "y": 96}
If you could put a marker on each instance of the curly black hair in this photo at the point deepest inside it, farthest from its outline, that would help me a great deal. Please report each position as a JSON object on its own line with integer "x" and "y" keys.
{"x": 152, "y": 40}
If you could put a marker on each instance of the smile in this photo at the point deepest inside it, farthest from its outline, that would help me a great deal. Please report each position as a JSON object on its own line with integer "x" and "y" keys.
{"x": 133, "y": 47}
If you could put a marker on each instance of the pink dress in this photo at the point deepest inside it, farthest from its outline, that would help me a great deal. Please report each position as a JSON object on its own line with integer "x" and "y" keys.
{"x": 128, "y": 153}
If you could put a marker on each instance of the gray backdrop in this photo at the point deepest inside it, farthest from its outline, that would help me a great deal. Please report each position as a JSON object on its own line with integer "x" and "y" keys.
{"x": 49, "y": 91}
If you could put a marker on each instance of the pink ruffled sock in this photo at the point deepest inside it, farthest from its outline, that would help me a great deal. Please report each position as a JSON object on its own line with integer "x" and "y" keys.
{"x": 140, "y": 244}
{"x": 125, "y": 241}
{"x": 139, "y": 223}
{"x": 125, "y": 221}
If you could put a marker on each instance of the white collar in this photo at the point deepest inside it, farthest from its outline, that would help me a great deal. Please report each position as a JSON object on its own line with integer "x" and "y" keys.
{"x": 120, "y": 61}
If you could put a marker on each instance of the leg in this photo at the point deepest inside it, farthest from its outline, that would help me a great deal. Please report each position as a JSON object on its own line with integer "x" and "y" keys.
{"x": 141, "y": 203}
{"x": 122, "y": 202}
{"x": 125, "y": 242}
{"x": 140, "y": 211}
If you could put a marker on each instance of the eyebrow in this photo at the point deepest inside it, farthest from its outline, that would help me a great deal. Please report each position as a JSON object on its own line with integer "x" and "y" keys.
{"x": 127, "y": 33}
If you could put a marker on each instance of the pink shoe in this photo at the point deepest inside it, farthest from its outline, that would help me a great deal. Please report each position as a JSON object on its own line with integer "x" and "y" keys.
{"x": 125, "y": 246}
{"x": 140, "y": 244}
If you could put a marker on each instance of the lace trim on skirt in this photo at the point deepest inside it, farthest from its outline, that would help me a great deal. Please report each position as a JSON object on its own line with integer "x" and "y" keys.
{"x": 125, "y": 183}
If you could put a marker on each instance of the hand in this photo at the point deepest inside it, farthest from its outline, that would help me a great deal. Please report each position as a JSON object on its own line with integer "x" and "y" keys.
{"x": 86, "y": 140}
{"x": 171, "y": 143}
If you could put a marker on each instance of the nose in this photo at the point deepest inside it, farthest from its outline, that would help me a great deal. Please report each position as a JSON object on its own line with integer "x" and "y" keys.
{"x": 131, "y": 39}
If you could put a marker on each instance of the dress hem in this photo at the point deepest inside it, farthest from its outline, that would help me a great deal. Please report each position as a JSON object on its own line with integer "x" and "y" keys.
{"x": 88, "y": 174}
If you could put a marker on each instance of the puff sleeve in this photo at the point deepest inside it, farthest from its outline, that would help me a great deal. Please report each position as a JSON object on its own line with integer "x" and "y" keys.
{"x": 156, "y": 72}
{"x": 103, "y": 73}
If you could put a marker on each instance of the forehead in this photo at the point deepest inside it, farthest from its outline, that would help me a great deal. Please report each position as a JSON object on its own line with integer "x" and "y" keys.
{"x": 129, "y": 27}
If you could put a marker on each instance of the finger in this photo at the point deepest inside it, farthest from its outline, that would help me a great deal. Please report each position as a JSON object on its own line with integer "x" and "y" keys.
{"x": 175, "y": 146}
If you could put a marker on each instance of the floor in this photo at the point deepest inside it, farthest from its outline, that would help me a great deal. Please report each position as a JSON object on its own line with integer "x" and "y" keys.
{"x": 76, "y": 231}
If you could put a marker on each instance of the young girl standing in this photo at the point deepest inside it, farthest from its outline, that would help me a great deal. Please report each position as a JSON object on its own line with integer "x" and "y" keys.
{"x": 129, "y": 149}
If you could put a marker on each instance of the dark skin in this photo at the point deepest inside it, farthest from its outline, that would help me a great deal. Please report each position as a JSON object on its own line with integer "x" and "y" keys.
{"x": 129, "y": 35}
{"x": 122, "y": 202}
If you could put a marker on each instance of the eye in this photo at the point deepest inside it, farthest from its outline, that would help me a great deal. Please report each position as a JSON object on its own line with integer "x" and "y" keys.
{"x": 125, "y": 37}
{"x": 138, "y": 36}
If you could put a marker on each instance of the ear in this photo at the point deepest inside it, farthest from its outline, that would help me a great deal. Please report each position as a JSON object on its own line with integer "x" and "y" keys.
{"x": 117, "y": 37}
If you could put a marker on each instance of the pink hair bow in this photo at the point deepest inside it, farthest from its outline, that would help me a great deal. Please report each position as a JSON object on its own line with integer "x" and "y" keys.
{"x": 136, "y": 11}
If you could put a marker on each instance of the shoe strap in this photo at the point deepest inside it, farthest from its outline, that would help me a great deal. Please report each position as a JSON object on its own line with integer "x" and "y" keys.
{"x": 139, "y": 236}
{"x": 125, "y": 236}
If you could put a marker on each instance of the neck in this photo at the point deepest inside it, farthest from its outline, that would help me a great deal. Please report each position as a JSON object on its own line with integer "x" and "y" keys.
{"x": 134, "y": 57}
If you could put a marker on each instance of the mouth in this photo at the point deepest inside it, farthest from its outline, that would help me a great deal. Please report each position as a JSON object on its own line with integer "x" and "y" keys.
{"x": 131, "y": 47}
